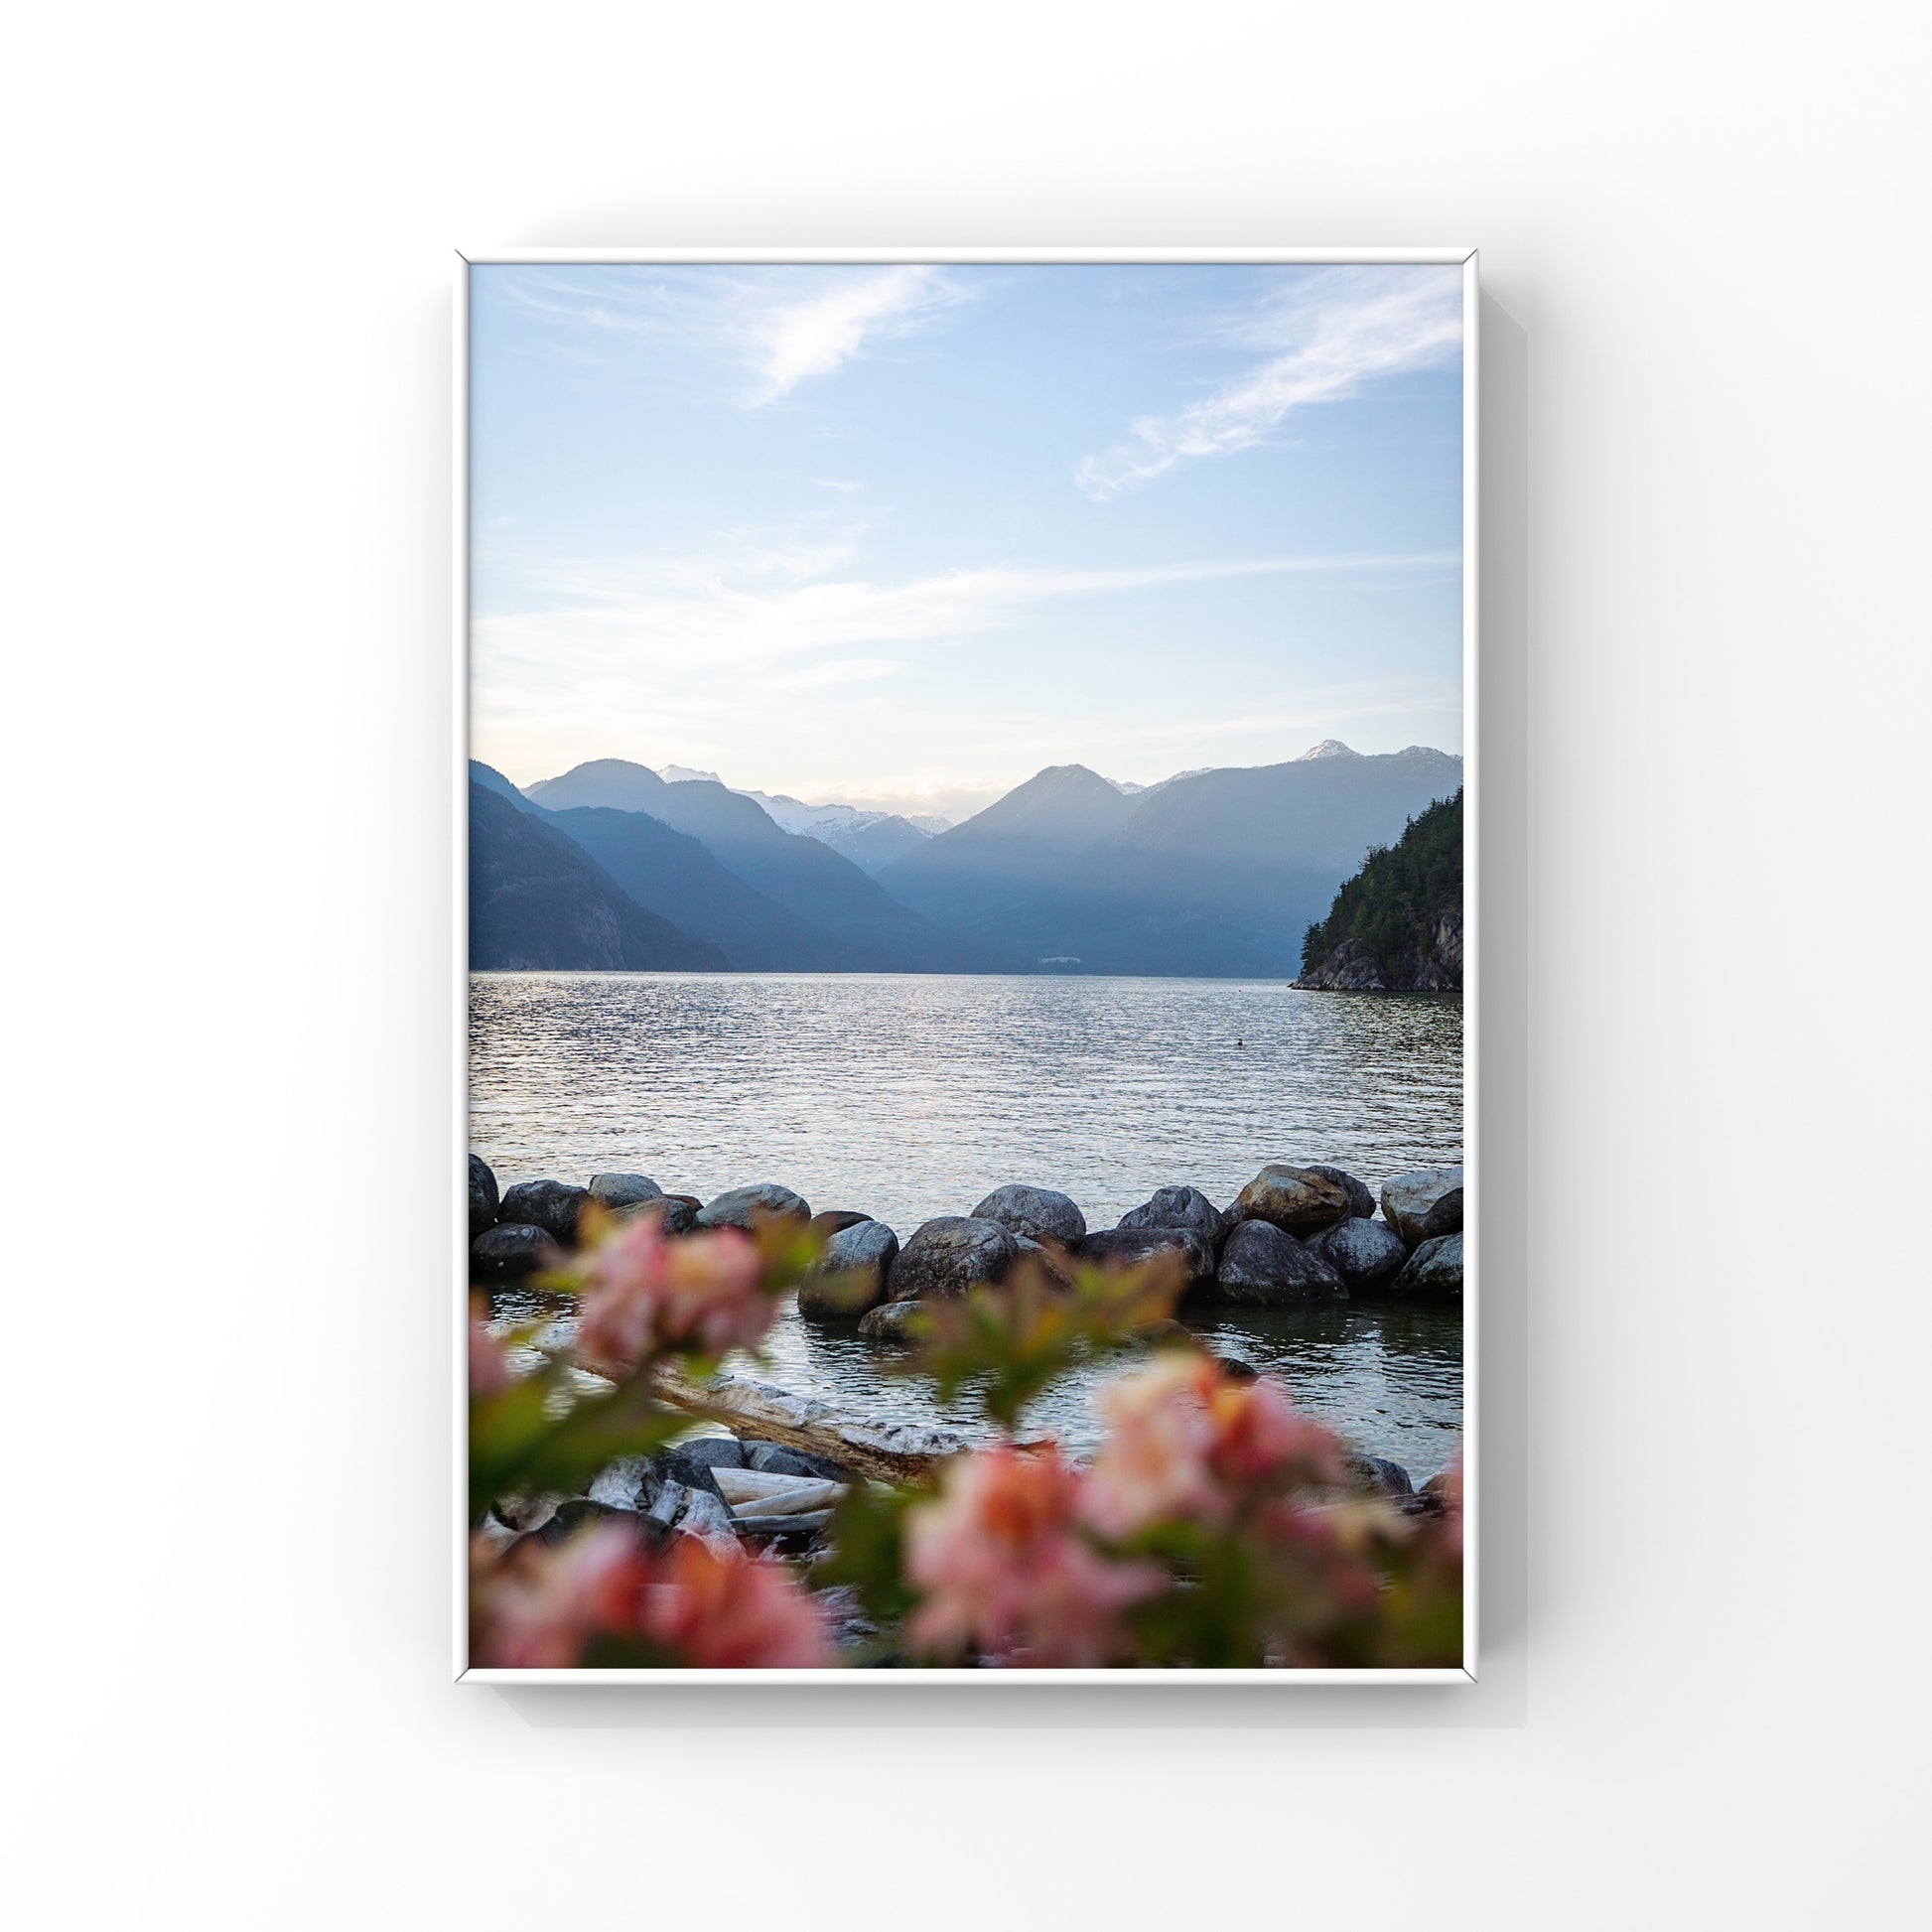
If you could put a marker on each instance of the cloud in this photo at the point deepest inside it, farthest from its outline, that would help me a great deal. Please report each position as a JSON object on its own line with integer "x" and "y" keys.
{"x": 1329, "y": 340}
{"x": 628, "y": 621}
{"x": 779, "y": 326}
{"x": 815, "y": 336}
{"x": 837, "y": 670}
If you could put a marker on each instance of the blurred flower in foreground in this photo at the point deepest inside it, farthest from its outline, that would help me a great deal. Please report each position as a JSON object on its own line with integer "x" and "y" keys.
{"x": 694, "y": 1607}
{"x": 1004, "y": 1570}
{"x": 489, "y": 1368}
{"x": 642, "y": 1294}
{"x": 1184, "y": 1442}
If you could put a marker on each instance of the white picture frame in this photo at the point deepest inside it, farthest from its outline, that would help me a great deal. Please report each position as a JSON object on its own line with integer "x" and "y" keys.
{"x": 883, "y": 1681}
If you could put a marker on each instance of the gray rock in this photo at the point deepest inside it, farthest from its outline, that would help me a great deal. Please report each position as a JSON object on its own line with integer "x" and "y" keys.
{"x": 1046, "y": 1259}
{"x": 1298, "y": 1200}
{"x": 1263, "y": 1267}
{"x": 744, "y": 1208}
{"x": 1238, "y": 1368}
{"x": 1367, "y": 1255}
{"x": 710, "y": 1452}
{"x": 500, "y": 1257}
{"x": 1036, "y": 1212}
{"x": 1130, "y": 1247}
{"x": 774, "y": 1460}
{"x": 1179, "y": 1207}
{"x": 624, "y": 1190}
{"x": 1407, "y": 1198}
{"x": 552, "y": 1205}
{"x": 1361, "y": 1199}
{"x": 580, "y": 1513}
{"x": 666, "y": 1502}
{"x": 483, "y": 1198}
{"x": 672, "y": 1215}
{"x": 853, "y": 1275}
{"x": 891, "y": 1322}
{"x": 1446, "y": 1217}
{"x": 1376, "y": 1475}
{"x": 829, "y": 1222}
{"x": 950, "y": 1255}
{"x": 1434, "y": 1272}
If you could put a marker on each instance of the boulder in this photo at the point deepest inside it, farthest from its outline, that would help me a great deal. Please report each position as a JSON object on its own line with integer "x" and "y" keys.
{"x": 482, "y": 1197}
{"x": 1361, "y": 1197}
{"x": 1376, "y": 1475}
{"x": 1367, "y": 1255}
{"x": 503, "y": 1256}
{"x": 950, "y": 1255}
{"x": 624, "y": 1190}
{"x": 745, "y": 1207}
{"x": 1036, "y": 1212}
{"x": 709, "y": 1453}
{"x": 1048, "y": 1259}
{"x": 672, "y": 1215}
{"x": 1298, "y": 1200}
{"x": 853, "y": 1275}
{"x": 1179, "y": 1207}
{"x": 1130, "y": 1247}
{"x": 891, "y": 1322}
{"x": 1407, "y": 1198}
{"x": 580, "y": 1513}
{"x": 1446, "y": 1217}
{"x": 774, "y": 1459}
{"x": 552, "y": 1205}
{"x": 1434, "y": 1272}
{"x": 829, "y": 1222}
{"x": 1238, "y": 1368}
{"x": 1263, "y": 1267}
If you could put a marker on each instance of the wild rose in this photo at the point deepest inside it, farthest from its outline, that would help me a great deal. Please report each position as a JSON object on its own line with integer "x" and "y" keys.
{"x": 1187, "y": 1444}
{"x": 537, "y": 1609}
{"x": 644, "y": 1293}
{"x": 716, "y": 1610}
{"x": 1004, "y": 1570}
{"x": 489, "y": 1367}
{"x": 543, "y": 1607}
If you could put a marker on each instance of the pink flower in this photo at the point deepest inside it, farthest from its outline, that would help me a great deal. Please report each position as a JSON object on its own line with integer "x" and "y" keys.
{"x": 489, "y": 1368}
{"x": 644, "y": 1293}
{"x": 1003, "y": 1568}
{"x": 538, "y": 1609}
{"x": 1185, "y": 1444}
{"x": 722, "y": 1611}
{"x": 541, "y": 1607}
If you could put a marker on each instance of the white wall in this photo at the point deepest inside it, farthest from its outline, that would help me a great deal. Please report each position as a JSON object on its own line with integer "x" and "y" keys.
{"x": 226, "y": 363}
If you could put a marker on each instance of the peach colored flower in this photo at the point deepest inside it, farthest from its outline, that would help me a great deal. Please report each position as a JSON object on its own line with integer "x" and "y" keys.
{"x": 542, "y": 1606}
{"x": 1003, "y": 1568}
{"x": 1185, "y": 1444}
{"x": 489, "y": 1367}
{"x": 722, "y": 1611}
{"x": 644, "y": 1293}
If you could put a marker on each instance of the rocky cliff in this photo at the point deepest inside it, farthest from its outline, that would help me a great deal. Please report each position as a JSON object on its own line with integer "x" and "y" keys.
{"x": 1396, "y": 925}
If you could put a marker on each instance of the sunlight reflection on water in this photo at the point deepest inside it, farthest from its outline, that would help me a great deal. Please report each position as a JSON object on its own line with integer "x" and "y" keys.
{"x": 908, "y": 1096}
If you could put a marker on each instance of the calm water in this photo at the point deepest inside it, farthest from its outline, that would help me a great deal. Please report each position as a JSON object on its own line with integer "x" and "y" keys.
{"x": 907, "y": 1096}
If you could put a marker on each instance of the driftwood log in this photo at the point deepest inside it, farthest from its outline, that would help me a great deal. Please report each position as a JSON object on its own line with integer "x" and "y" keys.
{"x": 886, "y": 1452}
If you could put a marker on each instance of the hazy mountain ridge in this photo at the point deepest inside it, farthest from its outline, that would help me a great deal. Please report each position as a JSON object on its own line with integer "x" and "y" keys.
{"x": 539, "y": 902}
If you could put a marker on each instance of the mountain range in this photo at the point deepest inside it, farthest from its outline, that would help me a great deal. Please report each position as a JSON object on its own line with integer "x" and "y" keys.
{"x": 1213, "y": 873}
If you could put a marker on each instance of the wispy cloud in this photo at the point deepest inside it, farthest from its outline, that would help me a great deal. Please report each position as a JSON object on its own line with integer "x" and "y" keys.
{"x": 1336, "y": 333}
{"x": 815, "y": 336}
{"x": 778, "y": 327}
{"x": 730, "y": 613}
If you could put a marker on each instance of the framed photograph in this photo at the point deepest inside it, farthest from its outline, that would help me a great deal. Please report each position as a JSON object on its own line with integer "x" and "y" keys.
{"x": 967, "y": 956}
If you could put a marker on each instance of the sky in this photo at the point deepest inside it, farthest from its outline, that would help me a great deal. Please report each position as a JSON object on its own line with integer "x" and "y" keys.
{"x": 903, "y": 535}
